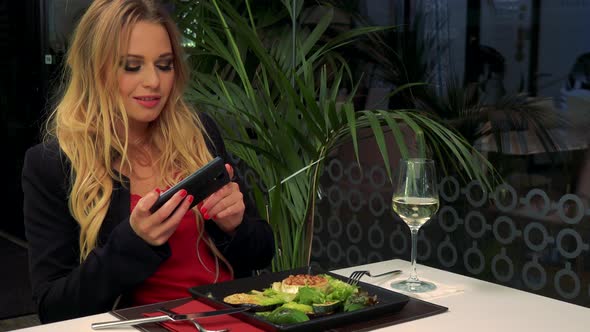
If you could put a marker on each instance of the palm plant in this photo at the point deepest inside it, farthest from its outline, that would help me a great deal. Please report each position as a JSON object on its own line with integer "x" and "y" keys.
{"x": 404, "y": 56}
{"x": 462, "y": 108}
{"x": 277, "y": 97}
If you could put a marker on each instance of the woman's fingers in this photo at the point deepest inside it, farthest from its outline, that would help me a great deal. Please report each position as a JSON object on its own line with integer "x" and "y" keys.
{"x": 167, "y": 228}
{"x": 220, "y": 206}
{"x": 230, "y": 170}
{"x": 144, "y": 204}
{"x": 156, "y": 228}
{"x": 168, "y": 208}
{"x": 140, "y": 220}
{"x": 219, "y": 200}
{"x": 234, "y": 209}
{"x": 225, "y": 206}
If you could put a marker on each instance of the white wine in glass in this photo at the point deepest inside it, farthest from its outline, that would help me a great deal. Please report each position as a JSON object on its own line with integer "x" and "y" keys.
{"x": 415, "y": 200}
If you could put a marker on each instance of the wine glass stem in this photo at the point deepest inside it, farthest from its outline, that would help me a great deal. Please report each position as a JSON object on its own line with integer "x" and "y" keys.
{"x": 414, "y": 252}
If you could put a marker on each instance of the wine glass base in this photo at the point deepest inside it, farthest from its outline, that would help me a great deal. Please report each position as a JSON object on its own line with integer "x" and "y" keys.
{"x": 413, "y": 286}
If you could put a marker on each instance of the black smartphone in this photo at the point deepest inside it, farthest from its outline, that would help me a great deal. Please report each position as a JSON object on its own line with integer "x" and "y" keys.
{"x": 202, "y": 183}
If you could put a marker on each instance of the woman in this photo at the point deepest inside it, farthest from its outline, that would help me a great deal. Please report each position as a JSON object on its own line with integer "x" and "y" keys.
{"x": 121, "y": 134}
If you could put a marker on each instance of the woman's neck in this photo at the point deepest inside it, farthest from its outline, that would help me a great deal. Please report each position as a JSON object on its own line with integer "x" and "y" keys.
{"x": 139, "y": 150}
{"x": 139, "y": 134}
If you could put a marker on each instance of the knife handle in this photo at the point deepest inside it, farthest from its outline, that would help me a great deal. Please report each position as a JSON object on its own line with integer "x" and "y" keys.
{"x": 130, "y": 322}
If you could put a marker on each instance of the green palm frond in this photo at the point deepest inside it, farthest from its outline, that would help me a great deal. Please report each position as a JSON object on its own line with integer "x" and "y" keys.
{"x": 281, "y": 116}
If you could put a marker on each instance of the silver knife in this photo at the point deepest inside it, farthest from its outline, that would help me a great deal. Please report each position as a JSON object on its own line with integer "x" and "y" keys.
{"x": 164, "y": 318}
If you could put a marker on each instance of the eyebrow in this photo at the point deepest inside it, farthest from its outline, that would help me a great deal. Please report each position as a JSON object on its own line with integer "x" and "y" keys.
{"x": 165, "y": 55}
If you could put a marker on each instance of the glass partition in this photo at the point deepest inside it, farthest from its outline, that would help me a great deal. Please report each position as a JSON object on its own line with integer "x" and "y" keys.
{"x": 531, "y": 230}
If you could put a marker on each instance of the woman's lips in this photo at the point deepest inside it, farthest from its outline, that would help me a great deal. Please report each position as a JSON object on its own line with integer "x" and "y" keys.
{"x": 148, "y": 101}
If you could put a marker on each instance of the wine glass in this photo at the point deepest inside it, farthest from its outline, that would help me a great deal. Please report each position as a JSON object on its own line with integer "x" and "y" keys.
{"x": 415, "y": 200}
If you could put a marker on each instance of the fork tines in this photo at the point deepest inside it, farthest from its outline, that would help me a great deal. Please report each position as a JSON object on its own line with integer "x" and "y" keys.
{"x": 355, "y": 277}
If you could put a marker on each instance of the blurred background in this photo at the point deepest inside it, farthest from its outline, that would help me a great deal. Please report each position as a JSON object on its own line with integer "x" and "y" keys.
{"x": 512, "y": 76}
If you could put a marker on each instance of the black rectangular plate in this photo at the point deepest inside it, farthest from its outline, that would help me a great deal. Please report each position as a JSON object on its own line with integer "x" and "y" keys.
{"x": 388, "y": 301}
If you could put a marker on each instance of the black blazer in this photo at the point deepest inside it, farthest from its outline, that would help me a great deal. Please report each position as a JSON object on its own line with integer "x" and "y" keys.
{"x": 62, "y": 287}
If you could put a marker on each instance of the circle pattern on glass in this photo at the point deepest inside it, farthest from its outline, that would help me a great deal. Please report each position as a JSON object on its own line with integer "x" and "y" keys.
{"x": 530, "y": 233}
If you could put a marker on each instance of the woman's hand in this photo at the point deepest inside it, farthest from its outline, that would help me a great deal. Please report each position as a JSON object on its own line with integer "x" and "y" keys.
{"x": 225, "y": 206}
{"x": 156, "y": 228}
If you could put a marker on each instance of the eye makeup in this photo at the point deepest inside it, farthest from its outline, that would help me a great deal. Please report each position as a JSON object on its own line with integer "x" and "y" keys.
{"x": 165, "y": 65}
{"x": 132, "y": 67}
{"x": 134, "y": 63}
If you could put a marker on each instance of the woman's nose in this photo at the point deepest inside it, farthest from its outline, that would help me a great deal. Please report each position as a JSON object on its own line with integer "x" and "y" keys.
{"x": 151, "y": 77}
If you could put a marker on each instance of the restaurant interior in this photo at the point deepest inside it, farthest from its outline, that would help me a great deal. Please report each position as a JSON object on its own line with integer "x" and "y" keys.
{"x": 511, "y": 77}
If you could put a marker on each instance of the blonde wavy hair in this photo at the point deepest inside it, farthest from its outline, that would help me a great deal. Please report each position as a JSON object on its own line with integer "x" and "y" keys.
{"x": 88, "y": 118}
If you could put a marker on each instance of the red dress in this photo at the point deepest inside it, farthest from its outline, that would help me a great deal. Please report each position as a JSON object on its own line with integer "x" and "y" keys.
{"x": 183, "y": 269}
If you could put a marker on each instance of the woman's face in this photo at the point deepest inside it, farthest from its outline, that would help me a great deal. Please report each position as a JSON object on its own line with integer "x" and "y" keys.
{"x": 146, "y": 74}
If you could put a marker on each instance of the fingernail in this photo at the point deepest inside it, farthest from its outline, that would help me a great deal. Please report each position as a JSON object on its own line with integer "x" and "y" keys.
{"x": 203, "y": 210}
{"x": 158, "y": 190}
{"x": 190, "y": 198}
{"x": 199, "y": 206}
{"x": 206, "y": 216}
{"x": 182, "y": 193}
{"x": 214, "y": 217}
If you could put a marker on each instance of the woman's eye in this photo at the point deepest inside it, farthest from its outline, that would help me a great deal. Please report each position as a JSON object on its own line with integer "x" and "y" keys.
{"x": 132, "y": 67}
{"x": 166, "y": 66}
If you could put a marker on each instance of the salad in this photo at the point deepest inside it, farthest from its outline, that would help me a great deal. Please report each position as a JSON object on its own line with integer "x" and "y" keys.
{"x": 302, "y": 297}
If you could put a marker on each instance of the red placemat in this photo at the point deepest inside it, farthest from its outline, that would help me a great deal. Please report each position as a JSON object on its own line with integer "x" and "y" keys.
{"x": 212, "y": 323}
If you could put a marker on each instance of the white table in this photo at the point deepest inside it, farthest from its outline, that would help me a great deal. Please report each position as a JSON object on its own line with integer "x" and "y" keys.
{"x": 484, "y": 306}
{"x": 481, "y": 306}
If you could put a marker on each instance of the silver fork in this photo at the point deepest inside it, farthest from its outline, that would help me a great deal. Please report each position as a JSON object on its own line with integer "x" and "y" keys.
{"x": 202, "y": 329}
{"x": 356, "y": 276}
{"x": 195, "y": 323}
